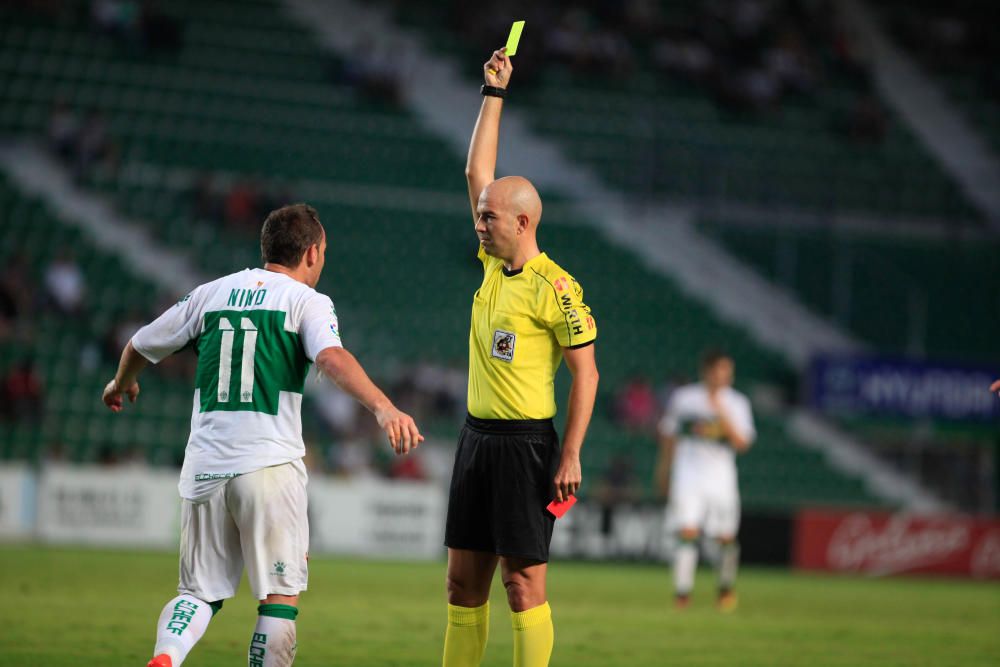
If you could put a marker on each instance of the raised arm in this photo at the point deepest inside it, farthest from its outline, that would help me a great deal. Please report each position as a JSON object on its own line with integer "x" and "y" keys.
{"x": 482, "y": 161}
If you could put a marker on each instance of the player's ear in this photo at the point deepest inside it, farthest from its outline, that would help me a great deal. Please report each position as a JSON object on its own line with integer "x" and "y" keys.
{"x": 312, "y": 255}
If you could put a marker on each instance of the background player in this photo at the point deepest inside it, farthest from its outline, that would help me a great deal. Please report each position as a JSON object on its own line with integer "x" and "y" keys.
{"x": 527, "y": 316}
{"x": 243, "y": 482}
{"x": 705, "y": 425}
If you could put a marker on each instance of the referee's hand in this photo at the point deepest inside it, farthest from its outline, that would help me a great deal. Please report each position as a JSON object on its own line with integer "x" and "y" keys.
{"x": 497, "y": 70}
{"x": 400, "y": 428}
{"x": 568, "y": 478}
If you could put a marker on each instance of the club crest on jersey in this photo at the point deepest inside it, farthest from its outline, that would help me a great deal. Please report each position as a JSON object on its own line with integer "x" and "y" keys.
{"x": 503, "y": 345}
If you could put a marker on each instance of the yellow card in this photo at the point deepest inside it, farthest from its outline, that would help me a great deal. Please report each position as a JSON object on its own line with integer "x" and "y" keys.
{"x": 514, "y": 37}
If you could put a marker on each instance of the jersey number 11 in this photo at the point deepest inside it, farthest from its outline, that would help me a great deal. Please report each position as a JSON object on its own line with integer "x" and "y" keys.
{"x": 226, "y": 359}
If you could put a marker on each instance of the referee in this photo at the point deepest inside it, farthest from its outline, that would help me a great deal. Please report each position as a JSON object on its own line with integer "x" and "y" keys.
{"x": 527, "y": 316}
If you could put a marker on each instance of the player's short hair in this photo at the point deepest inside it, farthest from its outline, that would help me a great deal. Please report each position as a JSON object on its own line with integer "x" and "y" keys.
{"x": 713, "y": 356}
{"x": 287, "y": 234}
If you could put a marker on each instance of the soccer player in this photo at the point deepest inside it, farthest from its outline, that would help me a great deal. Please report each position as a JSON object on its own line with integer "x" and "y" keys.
{"x": 527, "y": 316}
{"x": 243, "y": 483}
{"x": 706, "y": 424}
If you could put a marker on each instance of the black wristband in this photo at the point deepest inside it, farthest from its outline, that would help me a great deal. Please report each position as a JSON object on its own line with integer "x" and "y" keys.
{"x": 493, "y": 91}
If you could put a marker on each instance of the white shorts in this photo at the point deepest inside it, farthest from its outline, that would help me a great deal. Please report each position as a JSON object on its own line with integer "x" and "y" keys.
{"x": 258, "y": 520}
{"x": 712, "y": 508}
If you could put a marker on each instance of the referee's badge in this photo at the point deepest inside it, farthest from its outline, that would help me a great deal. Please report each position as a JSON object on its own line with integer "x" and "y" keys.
{"x": 503, "y": 344}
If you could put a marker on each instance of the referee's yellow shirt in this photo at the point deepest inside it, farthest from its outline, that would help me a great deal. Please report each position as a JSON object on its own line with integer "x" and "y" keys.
{"x": 521, "y": 320}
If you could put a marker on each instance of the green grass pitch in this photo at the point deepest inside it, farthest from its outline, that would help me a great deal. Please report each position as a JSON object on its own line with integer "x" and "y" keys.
{"x": 78, "y": 607}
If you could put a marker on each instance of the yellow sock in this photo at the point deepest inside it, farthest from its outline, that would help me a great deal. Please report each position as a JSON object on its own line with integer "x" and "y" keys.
{"x": 465, "y": 638}
{"x": 533, "y": 636}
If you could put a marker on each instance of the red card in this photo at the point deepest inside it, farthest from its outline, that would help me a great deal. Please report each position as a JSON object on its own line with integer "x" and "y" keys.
{"x": 558, "y": 509}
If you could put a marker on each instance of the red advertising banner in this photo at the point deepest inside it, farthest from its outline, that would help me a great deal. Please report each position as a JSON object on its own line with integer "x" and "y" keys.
{"x": 880, "y": 543}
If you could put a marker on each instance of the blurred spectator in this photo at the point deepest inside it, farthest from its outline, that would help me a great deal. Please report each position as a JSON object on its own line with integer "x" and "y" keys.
{"x": 16, "y": 296}
{"x": 617, "y": 486}
{"x": 444, "y": 387}
{"x": 618, "y": 483}
{"x": 108, "y": 455}
{"x": 121, "y": 333}
{"x": 750, "y": 54}
{"x": 374, "y": 70}
{"x": 64, "y": 130}
{"x": 790, "y": 62}
{"x": 686, "y": 58}
{"x": 352, "y": 458}
{"x": 748, "y": 89}
{"x": 567, "y": 38}
{"x": 643, "y": 17}
{"x": 65, "y": 284}
{"x": 118, "y": 18}
{"x": 242, "y": 206}
{"x": 8, "y": 311}
{"x": 55, "y": 452}
{"x": 22, "y": 392}
{"x": 206, "y": 204}
{"x": 137, "y": 25}
{"x": 575, "y": 40}
{"x": 407, "y": 467}
{"x": 83, "y": 147}
{"x": 867, "y": 122}
{"x": 159, "y": 31}
{"x": 339, "y": 411}
{"x": 95, "y": 147}
{"x": 636, "y": 405}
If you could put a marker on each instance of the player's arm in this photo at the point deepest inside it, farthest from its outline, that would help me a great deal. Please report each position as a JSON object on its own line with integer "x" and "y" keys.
{"x": 738, "y": 438}
{"x": 480, "y": 166}
{"x": 995, "y": 386}
{"x": 343, "y": 368}
{"x": 664, "y": 462}
{"x": 168, "y": 333}
{"x": 667, "y": 430}
{"x": 582, "y": 393}
{"x": 125, "y": 381}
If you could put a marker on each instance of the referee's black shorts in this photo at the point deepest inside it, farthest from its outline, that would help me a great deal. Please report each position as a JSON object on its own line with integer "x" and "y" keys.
{"x": 500, "y": 486}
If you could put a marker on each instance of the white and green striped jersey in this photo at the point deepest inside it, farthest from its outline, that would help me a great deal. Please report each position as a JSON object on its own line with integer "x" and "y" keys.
{"x": 256, "y": 333}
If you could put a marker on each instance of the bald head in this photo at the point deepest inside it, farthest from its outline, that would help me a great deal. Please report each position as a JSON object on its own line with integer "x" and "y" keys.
{"x": 507, "y": 216}
{"x": 515, "y": 196}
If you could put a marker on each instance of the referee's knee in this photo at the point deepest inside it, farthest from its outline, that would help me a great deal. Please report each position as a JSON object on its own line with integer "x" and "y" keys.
{"x": 521, "y": 595}
{"x": 461, "y": 594}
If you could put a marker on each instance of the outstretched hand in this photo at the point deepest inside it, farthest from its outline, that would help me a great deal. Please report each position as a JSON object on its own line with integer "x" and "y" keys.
{"x": 114, "y": 393}
{"x": 497, "y": 70}
{"x": 995, "y": 386}
{"x": 400, "y": 428}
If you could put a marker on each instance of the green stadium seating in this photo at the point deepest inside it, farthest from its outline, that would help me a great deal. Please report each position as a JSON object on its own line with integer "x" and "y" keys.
{"x": 650, "y": 135}
{"x": 73, "y": 419}
{"x": 968, "y": 77}
{"x": 248, "y": 95}
{"x": 938, "y": 296}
